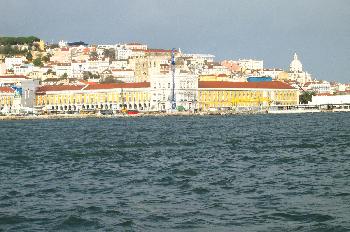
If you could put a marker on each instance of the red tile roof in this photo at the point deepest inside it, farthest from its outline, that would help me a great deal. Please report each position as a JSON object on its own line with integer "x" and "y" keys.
{"x": 118, "y": 85}
{"x": 45, "y": 88}
{"x": 244, "y": 85}
{"x": 6, "y": 90}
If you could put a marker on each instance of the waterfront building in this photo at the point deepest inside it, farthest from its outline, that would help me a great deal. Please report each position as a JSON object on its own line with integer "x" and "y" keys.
{"x": 214, "y": 95}
{"x": 330, "y": 100}
{"x": 186, "y": 86}
{"x": 7, "y": 96}
{"x": 92, "y": 97}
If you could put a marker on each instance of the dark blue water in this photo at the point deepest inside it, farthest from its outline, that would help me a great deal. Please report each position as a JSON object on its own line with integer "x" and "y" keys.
{"x": 236, "y": 173}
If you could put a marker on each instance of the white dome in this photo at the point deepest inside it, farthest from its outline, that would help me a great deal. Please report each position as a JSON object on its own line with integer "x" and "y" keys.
{"x": 295, "y": 65}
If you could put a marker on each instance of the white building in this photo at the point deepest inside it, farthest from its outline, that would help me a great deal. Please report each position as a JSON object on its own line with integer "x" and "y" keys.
{"x": 296, "y": 72}
{"x": 23, "y": 69}
{"x": 119, "y": 64}
{"x": 136, "y": 46}
{"x": 62, "y": 69}
{"x": 11, "y": 61}
{"x": 330, "y": 100}
{"x": 186, "y": 86}
{"x": 250, "y": 64}
{"x": 199, "y": 57}
{"x": 273, "y": 72}
{"x": 122, "y": 53}
{"x": 320, "y": 87}
{"x": 62, "y": 43}
{"x": 125, "y": 75}
{"x": 78, "y": 68}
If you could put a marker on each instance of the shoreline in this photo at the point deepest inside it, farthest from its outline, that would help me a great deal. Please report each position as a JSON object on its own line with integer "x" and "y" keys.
{"x": 158, "y": 114}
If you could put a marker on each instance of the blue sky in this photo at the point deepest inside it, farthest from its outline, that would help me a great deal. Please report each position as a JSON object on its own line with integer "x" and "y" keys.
{"x": 271, "y": 30}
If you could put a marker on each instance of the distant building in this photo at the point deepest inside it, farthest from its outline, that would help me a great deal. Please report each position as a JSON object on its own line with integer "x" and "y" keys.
{"x": 319, "y": 87}
{"x": 250, "y": 64}
{"x": 296, "y": 72}
{"x": 11, "y": 61}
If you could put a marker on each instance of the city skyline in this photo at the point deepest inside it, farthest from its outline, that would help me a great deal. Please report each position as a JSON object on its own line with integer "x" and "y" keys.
{"x": 268, "y": 30}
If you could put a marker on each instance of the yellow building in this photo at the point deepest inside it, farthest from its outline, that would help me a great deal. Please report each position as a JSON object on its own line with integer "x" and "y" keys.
{"x": 221, "y": 77}
{"x": 215, "y": 95}
{"x": 7, "y": 96}
{"x": 79, "y": 98}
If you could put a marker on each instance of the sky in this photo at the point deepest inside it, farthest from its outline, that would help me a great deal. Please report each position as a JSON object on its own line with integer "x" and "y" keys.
{"x": 271, "y": 30}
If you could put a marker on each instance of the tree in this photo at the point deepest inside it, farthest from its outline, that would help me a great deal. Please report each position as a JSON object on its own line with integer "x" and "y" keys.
{"x": 111, "y": 79}
{"x": 65, "y": 75}
{"x": 37, "y": 62}
{"x": 306, "y": 97}
{"x": 109, "y": 53}
{"x": 29, "y": 56}
{"x": 46, "y": 58}
{"x": 93, "y": 55}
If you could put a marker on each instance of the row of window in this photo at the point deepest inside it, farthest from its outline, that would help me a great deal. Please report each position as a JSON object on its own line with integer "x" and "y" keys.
{"x": 93, "y": 98}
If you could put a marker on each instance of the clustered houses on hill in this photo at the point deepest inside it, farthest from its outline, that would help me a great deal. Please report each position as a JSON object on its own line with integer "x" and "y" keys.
{"x": 75, "y": 77}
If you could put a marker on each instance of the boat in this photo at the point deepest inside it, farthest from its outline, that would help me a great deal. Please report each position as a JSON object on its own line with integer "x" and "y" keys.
{"x": 132, "y": 112}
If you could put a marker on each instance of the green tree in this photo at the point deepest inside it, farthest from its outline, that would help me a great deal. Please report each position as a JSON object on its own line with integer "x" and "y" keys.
{"x": 109, "y": 53}
{"x": 93, "y": 55}
{"x": 37, "y": 62}
{"x": 46, "y": 58}
{"x": 111, "y": 79}
{"x": 29, "y": 56}
{"x": 305, "y": 97}
{"x": 65, "y": 75}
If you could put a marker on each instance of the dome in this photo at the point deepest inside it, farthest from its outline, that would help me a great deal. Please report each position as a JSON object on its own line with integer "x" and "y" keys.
{"x": 295, "y": 65}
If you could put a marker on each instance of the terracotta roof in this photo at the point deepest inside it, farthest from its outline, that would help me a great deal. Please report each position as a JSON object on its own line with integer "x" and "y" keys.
{"x": 118, "y": 85}
{"x": 46, "y": 88}
{"x": 244, "y": 85}
{"x": 6, "y": 90}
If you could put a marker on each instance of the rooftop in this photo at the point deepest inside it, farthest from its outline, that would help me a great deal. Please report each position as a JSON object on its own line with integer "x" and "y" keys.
{"x": 243, "y": 85}
{"x": 6, "y": 90}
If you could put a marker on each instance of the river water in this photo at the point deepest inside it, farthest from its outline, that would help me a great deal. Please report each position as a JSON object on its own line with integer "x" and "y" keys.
{"x": 203, "y": 173}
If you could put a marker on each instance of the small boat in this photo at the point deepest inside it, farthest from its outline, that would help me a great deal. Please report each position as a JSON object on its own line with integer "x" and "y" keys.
{"x": 132, "y": 112}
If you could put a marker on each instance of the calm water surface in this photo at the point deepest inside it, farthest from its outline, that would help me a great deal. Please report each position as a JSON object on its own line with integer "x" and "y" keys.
{"x": 236, "y": 173}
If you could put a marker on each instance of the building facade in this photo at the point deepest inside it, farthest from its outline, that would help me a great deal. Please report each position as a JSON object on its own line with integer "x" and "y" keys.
{"x": 216, "y": 95}
{"x": 7, "y": 96}
{"x": 78, "y": 98}
{"x": 185, "y": 91}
